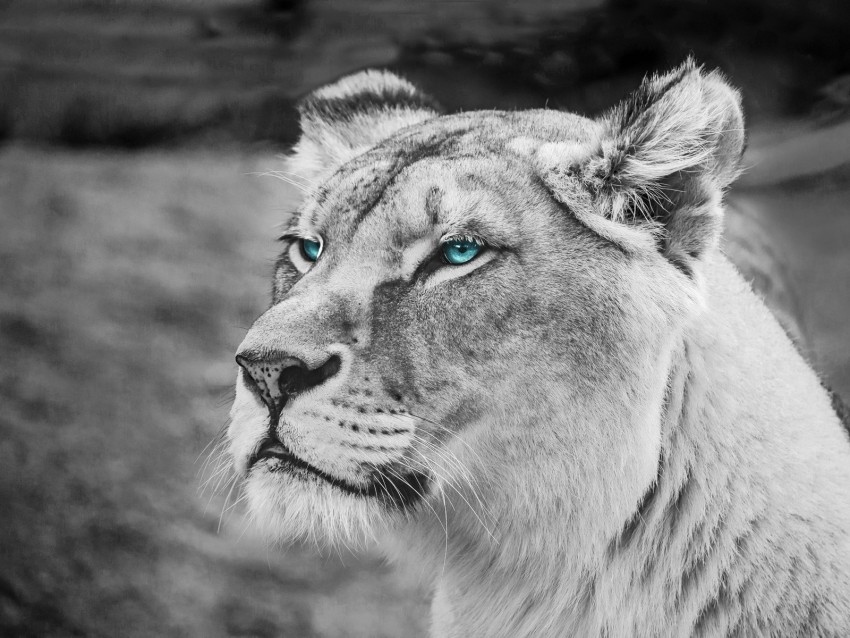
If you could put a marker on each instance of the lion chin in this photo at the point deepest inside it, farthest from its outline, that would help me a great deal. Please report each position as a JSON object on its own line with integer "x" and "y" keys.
{"x": 288, "y": 508}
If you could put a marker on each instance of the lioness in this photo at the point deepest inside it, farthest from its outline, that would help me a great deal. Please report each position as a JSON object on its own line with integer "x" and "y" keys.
{"x": 506, "y": 345}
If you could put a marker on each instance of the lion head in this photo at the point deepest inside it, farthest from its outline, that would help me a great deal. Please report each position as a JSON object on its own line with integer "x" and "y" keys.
{"x": 473, "y": 314}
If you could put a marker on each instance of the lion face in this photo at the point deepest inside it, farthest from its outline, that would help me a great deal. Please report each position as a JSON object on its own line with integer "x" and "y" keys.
{"x": 456, "y": 319}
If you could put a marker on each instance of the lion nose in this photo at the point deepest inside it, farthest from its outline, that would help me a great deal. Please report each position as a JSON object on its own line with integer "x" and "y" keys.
{"x": 277, "y": 379}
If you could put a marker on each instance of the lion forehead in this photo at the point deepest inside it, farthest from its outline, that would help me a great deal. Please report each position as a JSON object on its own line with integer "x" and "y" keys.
{"x": 500, "y": 142}
{"x": 478, "y": 196}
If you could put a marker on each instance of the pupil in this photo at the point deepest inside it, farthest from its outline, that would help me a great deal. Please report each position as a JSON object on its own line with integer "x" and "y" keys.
{"x": 311, "y": 249}
{"x": 460, "y": 251}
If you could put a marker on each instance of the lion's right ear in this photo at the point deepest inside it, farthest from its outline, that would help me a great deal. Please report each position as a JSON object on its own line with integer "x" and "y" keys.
{"x": 342, "y": 120}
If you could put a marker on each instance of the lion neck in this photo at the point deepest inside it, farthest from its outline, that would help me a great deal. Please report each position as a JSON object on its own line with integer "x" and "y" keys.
{"x": 542, "y": 581}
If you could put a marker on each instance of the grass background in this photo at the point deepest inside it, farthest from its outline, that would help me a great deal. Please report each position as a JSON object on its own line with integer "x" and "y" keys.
{"x": 136, "y": 241}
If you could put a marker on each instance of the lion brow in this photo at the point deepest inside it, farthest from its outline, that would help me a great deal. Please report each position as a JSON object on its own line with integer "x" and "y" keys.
{"x": 290, "y": 228}
{"x": 433, "y": 203}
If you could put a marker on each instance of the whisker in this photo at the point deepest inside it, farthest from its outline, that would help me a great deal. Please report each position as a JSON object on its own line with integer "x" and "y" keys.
{"x": 215, "y": 441}
{"x": 383, "y": 484}
{"x": 460, "y": 493}
{"x": 446, "y": 515}
{"x": 448, "y": 431}
{"x": 466, "y": 474}
{"x": 289, "y": 178}
{"x": 415, "y": 491}
{"x": 233, "y": 481}
{"x": 222, "y": 468}
{"x": 297, "y": 175}
{"x": 450, "y": 457}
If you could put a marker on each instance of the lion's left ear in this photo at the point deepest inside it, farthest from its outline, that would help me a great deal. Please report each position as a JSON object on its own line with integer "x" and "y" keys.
{"x": 662, "y": 160}
{"x": 342, "y": 120}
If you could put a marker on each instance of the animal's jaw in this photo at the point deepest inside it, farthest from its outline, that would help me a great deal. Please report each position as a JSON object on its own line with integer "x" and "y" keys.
{"x": 393, "y": 488}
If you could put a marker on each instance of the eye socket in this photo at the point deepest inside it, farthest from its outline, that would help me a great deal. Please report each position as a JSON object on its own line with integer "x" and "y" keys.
{"x": 303, "y": 252}
{"x": 310, "y": 249}
{"x": 461, "y": 250}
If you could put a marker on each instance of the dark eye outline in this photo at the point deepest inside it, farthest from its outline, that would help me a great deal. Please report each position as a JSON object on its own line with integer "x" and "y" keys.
{"x": 481, "y": 247}
{"x": 302, "y": 246}
{"x": 295, "y": 253}
{"x": 438, "y": 260}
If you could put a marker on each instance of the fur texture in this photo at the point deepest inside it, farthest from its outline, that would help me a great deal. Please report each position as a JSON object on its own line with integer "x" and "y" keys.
{"x": 595, "y": 427}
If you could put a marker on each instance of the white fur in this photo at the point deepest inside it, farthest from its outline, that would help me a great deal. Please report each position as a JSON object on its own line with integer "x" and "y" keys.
{"x": 785, "y": 464}
{"x": 676, "y": 470}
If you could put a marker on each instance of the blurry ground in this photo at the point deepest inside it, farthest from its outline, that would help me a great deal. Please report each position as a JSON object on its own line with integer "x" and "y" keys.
{"x": 128, "y": 279}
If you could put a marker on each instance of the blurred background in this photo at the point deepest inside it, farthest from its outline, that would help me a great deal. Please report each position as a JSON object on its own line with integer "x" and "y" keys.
{"x": 136, "y": 240}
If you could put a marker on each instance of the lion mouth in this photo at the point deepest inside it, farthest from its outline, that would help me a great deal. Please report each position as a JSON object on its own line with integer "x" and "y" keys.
{"x": 285, "y": 459}
{"x": 388, "y": 486}
{"x": 271, "y": 448}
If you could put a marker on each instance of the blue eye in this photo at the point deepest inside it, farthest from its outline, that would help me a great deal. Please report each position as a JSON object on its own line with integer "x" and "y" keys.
{"x": 460, "y": 251}
{"x": 311, "y": 249}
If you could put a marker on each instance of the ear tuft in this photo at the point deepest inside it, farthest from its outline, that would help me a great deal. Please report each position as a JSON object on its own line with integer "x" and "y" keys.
{"x": 344, "y": 119}
{"x": 685, "y": 121}
{"x": 657, "y": 167}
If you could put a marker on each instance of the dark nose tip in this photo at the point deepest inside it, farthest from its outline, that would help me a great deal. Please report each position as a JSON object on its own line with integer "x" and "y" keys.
{"x": 278, "y": 378}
